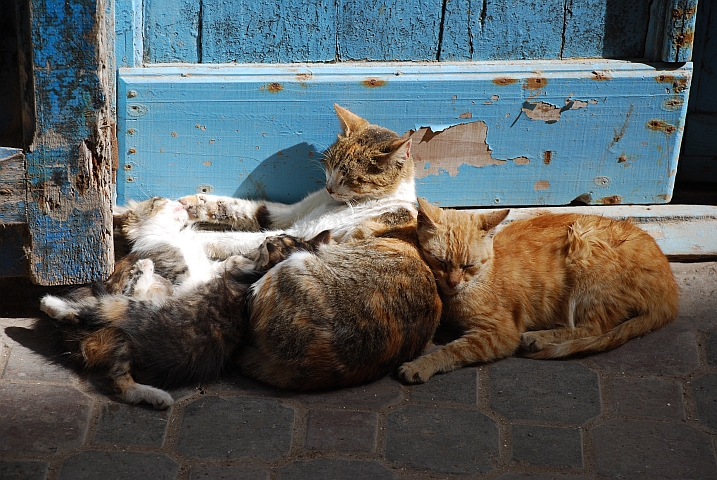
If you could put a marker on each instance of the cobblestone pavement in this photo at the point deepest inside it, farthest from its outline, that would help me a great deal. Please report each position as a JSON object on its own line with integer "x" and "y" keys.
{"x": 646, "y": 410}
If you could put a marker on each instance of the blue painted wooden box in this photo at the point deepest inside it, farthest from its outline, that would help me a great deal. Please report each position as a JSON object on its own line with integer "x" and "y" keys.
{"x": 517, "y": 102}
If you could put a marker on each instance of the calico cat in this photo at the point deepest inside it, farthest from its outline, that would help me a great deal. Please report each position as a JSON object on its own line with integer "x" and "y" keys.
{"x": 369, "y": 173}
{"x": 187, "y": 338}
{"x": 344, "y": 314}
{"x": 159, "y": 229}
{"x": 552, "y": 285}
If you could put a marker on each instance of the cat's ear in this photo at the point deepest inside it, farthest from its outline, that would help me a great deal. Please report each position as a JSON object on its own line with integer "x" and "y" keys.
{"x": 350, "y": 122}
{"x": 427, "y": 214}
{"x": 399, "y": 152}
{"x": 492, "y": 219}
{"x": 321, "y": 238}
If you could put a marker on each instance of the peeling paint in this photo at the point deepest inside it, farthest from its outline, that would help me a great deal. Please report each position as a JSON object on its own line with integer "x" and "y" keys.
{"x": 662, "y": 126}
{"x": 601, "y": 76}
{"x": 374, "y": 82}
{"x": 547, "y": 157}
{"x": 273, "y": 87}
{"x": 436, "y": 151}
{"x": 521, "y": 160}
{"x": 602, "y": 181}
{"x": 548, "y": 112}
{"x": 504, "y": 81}
{"x": 535, "y": 83}
{"x": 541, "y": 185}
{"x": 174, "y": 134}
{"x": 465, "y": 115}
{"x": 611, "y": 200}
{"x": 674, "y": 103}
{"x": 620, "y": 133}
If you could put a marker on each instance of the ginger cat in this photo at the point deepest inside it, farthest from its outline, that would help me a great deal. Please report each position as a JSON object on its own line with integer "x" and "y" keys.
{"x": 551, "y": 286}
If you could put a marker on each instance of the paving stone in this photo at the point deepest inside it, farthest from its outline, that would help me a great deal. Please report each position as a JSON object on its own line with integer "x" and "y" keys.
{"x": 131, "y": 424}
{"x": 42, "y": 418}
{"x": 672, "y": 350}
{"x": 329, "y": 469}
{"x": 442, "y": 439}
{"x": 236, "y": 382}
{"x": 229, "y": 472}
{"x": 705, "y": 390}
{"x": 639, "y": 449}
{"x": 341, "y": 431}
{"x": 215, "y": 427}
{"x": 547, "y": 446}
{"x": 458, "y": 387}
{"x": 92, "y": 465}
{"x": 23, "y": 470}
{"x": 377, "y": 395}
{"x": 647, "y": 397}
{"x": 698, "y": 293}
{"x": 25, "y": 363}
{"x": 540, "y": 476}
{"x": 551, "y": 391}
{"x": 711, "y": 347}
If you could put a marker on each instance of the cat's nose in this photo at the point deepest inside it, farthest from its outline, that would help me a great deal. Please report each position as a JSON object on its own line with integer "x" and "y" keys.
{"x": 328, "y": 189}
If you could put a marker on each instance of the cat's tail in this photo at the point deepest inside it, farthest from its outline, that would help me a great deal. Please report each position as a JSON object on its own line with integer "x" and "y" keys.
{"x": 631, "y": 328}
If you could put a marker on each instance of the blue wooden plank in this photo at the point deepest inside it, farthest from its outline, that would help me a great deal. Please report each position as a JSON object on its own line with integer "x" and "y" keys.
{"x": 129, "y": 33}
{"x": 68, "y": 171}
{"x": 605, "y": 29}
{"x": 388, "y": 29}
{"x": 172, "y": 30}
{"x": 500, "y": 30}
{"x": 606, "y": 132}
{"x": 250, "y": 31}
{"x": 679, "y": 31}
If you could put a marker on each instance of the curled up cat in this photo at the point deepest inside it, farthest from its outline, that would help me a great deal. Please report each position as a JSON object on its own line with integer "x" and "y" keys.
{"x": 550, "y": 286}
{"x": 162, "y": 333}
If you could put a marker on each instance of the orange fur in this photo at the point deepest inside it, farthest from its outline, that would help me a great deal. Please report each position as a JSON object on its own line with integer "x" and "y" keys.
{"x": 553, "y": 285}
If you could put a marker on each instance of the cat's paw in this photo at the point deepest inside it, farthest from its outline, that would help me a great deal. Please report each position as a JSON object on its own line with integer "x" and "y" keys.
{"x": 416, "y": 371}
{"x": 531, "y": 342}
{"x": 238, "y": 261}
{"x": 57, "y": 308}
{"x": 196, "y": 207}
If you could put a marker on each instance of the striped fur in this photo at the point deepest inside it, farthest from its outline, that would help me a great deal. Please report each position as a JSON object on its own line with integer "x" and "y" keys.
{"x": 551, "y": 286}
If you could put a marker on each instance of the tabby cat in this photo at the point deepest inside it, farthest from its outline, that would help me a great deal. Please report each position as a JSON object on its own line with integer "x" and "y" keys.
{"x": 344, "y": 314}
{"x": 369, "y": 173}
{"x": 552, "y": 285}
{"x": 187, "y": 337}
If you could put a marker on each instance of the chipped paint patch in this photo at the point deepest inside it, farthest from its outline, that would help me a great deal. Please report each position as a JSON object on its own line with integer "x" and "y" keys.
{"x": 674, "y": 103}
{"x": 521, "y": 160}
{"x": 620, "y": 133}
{"x": 436, "y": 151}
{"x": 541, "y": 185}
{"x": 374, "y": 82}
{"x": 661, "y": 125}
{"x": 273, "y": 87}
{"x": 465, "y": 115}
{"x": 535, "y": 83}
{"x": 611, "y": 200}
{"x": 547, "y": 157}
{"x": 548, "y": 112}
{"x": 504, "y": 81}
{"x": 600, "y": 76}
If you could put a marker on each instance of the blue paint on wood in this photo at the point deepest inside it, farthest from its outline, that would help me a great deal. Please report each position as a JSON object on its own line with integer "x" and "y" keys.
{"x": 129, "y": 33}
{"x": 172, "y": 31}
{"x": 388, "y": 30}
{"x": 68, "y": 232}
{"x": 608, "y": 132}
{"x": 257, "y": 32}
{"x": 679, "y": 31}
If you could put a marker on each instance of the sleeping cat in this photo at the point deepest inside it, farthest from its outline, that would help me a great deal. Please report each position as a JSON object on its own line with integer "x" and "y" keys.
{"x": 552, "y": 285}
{"x": 186, "y": 337}
{"x": 159, "y": 229}
{"x": 344, "y": 314}
{"x": 369, "y": 173}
